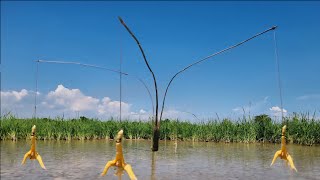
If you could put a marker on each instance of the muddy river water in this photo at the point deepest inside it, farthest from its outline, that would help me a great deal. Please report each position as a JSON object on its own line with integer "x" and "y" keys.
{"x": 186, "y": 160}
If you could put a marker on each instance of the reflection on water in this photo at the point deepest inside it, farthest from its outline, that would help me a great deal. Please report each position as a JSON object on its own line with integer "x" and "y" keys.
{"x": 187, "y": 160}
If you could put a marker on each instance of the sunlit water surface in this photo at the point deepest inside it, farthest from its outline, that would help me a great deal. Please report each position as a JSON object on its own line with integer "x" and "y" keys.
{"x": 187, "y": 160}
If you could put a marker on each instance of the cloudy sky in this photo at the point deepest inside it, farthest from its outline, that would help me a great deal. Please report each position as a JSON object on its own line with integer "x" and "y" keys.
{"x": 173, "y": 35}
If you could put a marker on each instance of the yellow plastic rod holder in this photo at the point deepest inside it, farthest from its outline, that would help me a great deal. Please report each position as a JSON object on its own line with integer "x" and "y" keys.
{"x": 283, "y": 153}
{"x": 33, "y": 154}
{"x": 119, "y": 160}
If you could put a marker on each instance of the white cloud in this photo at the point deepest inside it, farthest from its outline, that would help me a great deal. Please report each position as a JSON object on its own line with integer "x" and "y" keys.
{"x": 62, "y": 101}
{"x": 142, "y": 111}
{"x": 276, "y": 111}
{"x": 70, "y": 99}
{"x": 109, "y": 107}
{"x": 309, "y": 97}
{"x": 14, "y": 95}
{"x": 17, "y": 102}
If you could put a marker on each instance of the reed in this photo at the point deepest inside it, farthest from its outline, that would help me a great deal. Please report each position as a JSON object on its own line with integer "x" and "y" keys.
{"x": 302, "y": 129}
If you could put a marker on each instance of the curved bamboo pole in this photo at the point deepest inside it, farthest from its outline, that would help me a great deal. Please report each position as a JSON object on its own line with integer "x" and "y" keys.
{"x": 156, "y": 128}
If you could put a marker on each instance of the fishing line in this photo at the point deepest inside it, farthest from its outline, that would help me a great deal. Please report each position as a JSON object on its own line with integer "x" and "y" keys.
{"x": 36, "y": 91}
{"x": 120, "y": 77}
{"x": 278, "y": 73}
{"x": 191, "y": 114}
{"x": 150, "y": 96}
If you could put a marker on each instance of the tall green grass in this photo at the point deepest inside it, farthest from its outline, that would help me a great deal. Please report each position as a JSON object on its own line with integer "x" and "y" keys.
{"x": 300, "y": 129}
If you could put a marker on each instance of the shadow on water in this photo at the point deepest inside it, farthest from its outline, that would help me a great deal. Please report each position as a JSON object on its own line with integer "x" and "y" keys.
{"x": 153, "y": 165}
{"x": 181, "y": 160}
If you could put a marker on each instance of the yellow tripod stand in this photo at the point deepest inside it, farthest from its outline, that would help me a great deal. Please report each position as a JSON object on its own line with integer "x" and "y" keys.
{"x": 119, "y": 160}
{"x": 33, "y": 154}
{"x": 283, "y": 153}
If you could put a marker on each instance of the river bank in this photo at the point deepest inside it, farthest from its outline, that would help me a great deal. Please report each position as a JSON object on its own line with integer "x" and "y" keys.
{"x": 301, "y": 129}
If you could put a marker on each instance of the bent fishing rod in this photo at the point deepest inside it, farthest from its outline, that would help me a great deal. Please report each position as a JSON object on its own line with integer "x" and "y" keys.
{"x": 207, "y": 58}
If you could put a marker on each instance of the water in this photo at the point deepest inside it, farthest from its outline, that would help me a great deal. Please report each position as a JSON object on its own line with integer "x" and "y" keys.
{"x": 187, "y": 160}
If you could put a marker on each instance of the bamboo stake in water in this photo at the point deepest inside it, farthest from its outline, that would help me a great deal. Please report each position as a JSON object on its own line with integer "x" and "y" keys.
{"x": 156, "y": 132}
{"x": 156, "y": 128}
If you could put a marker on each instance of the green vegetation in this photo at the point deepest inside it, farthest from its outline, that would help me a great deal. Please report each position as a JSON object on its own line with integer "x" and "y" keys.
{"x": 301, "y": 129}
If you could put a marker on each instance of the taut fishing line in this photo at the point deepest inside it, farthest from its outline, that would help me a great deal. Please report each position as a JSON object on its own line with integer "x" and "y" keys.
{"x": 36, "y": 91}
{"x": 278, "y": 73}
{"x": 120, "y": 77}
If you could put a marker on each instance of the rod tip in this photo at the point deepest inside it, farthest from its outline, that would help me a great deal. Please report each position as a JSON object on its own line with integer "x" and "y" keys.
{"x": 274, "y": 27}
{"x": 120, "y": 19}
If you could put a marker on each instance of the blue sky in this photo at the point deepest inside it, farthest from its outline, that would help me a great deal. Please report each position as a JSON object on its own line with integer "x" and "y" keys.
{"x": 173, "y": 35}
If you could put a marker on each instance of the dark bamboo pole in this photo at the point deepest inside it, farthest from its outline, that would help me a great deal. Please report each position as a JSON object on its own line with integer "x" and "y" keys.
{"x": 156, "y": 130}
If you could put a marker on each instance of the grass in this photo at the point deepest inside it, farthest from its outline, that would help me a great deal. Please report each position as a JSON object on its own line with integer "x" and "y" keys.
{"x": 301, "y": 129}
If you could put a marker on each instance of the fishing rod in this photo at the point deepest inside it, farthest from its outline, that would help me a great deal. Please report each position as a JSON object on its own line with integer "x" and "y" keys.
{"x": 81, "y": 64}
{"x": 208, "y": 57}
{"x": 92, "y": 66}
